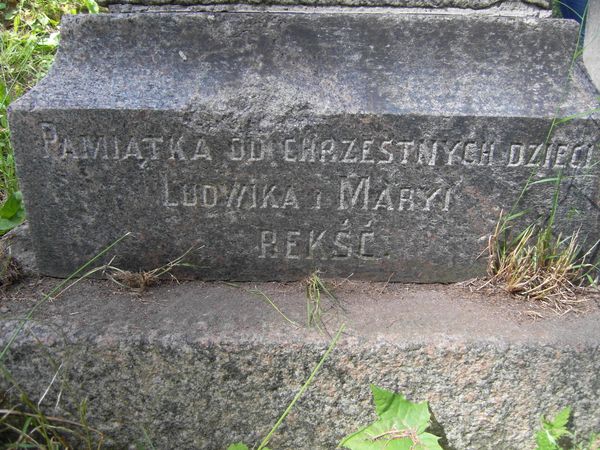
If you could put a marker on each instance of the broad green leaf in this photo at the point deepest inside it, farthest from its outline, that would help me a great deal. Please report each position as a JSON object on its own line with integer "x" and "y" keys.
{"x": 552, "y": 430}
{"x": 12, "y": 213}
{"x": 544, "y": 441}
{"x": 391, "y": 405}
{"x": 383, "y": 435}
{"x": 428, "y": 441}
{"x": 91, "y": 6}
{"x": 238, "y": 446}
{"x": 383, "y": 399}
{"x": 380, "y": 435}
{"x": 417, "y": 416}
{"x": 562, "y": 418}
{"x": 12, "y": 206}
{"x": 401, "y": 426}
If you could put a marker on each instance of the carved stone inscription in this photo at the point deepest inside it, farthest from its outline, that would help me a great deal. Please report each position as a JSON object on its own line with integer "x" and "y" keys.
{"x": 316, "y": 150}
{"x": 369, "y": 180}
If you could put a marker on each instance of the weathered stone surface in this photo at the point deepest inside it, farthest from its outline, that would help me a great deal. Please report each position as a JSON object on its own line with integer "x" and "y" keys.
{"x": 466, "y": 4}
{"x": 200, "y": 366}
{"x": 382, "y": 146}
{"x": 17, "y": 243}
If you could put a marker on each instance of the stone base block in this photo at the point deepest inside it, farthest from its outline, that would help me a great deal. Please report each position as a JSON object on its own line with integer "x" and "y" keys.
{"x": 205, "y": 365}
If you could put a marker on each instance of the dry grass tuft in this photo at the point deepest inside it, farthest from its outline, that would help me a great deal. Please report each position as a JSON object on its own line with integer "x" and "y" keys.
{"x": 315, "y": 289}
{"x": 138, "y": 282}
{"x": 135, "y": 281}
{"x": 540, "y": 266}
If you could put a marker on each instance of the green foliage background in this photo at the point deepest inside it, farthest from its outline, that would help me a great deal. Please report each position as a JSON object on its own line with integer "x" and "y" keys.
{"x": 29, "y": 34}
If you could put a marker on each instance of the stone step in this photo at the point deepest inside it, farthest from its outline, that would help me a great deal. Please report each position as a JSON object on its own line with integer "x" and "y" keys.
{"x": 203, "y": 365}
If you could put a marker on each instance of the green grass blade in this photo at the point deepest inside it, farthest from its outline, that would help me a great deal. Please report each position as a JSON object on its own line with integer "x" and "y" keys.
{"x": 305, "y": 386}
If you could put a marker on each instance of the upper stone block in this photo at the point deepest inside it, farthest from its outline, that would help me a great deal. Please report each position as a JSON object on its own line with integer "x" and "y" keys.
{"x": 382, "y": 146}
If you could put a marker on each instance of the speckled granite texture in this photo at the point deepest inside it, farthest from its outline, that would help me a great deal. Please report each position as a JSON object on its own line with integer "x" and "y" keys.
{"x": 202, "y": 365}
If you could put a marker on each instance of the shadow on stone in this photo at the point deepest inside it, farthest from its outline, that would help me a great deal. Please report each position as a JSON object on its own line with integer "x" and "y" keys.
{"x": 437, "y": 429}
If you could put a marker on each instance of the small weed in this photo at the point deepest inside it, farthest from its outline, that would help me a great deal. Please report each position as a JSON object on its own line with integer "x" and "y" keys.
{"x": 553, "y": 430}
{"x": 401, "y": 425}
{"x": 539, "y": 266}
{"x": 554, "y": 434}
{"x": 535, "y": 262}
{"x": 147, "y": 444}
{"x": 315, "y": 288}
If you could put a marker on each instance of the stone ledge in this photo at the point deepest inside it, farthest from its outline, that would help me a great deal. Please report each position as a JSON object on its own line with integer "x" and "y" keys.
{"x": 201, "y": 365}
{"x": 513, "y": 10}
{"x": 435, "y": 4}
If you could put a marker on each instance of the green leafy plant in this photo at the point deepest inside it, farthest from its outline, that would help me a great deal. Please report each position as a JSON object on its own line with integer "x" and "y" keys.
{"x": 401, "y": 425}
{"x": 12, "y": 213}
{"x": 554, "y": 434}
{"x": 552, "y": 430}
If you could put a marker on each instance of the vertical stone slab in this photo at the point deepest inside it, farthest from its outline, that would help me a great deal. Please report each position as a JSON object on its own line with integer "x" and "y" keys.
{"x": 372, "y": 145}
{"x": 591, "y": 49}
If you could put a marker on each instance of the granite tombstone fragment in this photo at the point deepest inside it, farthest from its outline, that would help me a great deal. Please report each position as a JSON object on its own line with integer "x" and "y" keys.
{"x": 378, "y": 145}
